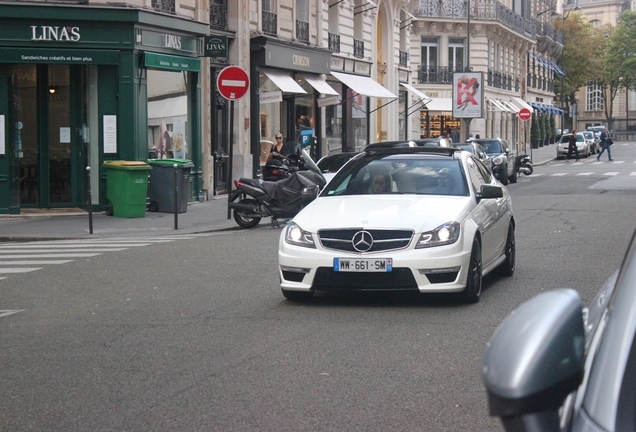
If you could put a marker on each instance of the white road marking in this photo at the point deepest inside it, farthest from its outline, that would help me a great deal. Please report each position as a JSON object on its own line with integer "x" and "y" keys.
{"x": 632, "y": 173}
{"x": 585, "y": 173}
{"x": 35, "y": 262}
{"x": 10, "y": 251}
{"x": 559, "y": 174}
{"x": 4, "y": 313}
{"x": 52, "y": 255}
{"x": 71, "y": 246}
{"x": 19, "y": 270}
{"x": 610, "y": 173}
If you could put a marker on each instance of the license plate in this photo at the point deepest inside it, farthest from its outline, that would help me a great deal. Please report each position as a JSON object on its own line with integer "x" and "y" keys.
{"x": 363, "y": 264}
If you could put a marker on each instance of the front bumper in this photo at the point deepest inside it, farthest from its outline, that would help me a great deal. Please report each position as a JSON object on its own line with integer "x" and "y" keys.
{"x": 438, "y": 269}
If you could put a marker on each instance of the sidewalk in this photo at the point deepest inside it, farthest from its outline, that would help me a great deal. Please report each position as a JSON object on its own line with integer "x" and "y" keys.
{"x": 200, "y": 217}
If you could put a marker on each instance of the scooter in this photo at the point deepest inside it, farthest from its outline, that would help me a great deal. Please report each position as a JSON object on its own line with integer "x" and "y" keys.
{"x": 279, "y": 168}
{"x": 254, "y": 199}
{"x": 524, "y": 165}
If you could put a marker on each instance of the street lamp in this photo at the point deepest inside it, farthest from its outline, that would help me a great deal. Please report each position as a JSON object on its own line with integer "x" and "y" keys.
{"x": 563, "y": 18}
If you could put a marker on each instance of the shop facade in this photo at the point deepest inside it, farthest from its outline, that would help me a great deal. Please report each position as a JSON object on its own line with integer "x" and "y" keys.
{"x": 80, "y": 86}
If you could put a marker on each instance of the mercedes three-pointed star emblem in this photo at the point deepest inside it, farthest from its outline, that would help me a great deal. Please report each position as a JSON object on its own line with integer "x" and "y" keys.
{"x": 362, "y": 241}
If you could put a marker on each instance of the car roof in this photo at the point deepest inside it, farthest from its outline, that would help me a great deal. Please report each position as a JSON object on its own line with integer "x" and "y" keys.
{"x": 437, "y": 151}
{"x": 392, "y": 144}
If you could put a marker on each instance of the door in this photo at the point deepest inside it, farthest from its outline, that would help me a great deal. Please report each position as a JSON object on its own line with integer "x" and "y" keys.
{"x": 48, "y": 110}
{"x": 220, "y": 140}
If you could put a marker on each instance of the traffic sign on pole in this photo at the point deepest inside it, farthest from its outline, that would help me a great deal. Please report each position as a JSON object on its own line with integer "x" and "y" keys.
{"x": 233, "y": 82}
{"x": 525, "y": 114}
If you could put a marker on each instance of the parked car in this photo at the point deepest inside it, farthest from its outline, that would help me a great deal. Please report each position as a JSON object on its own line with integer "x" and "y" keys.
{"x": 593, "y": 142}
{"x": 423, "y": 219}
{"x": 596, "y": 130}
{"x": 476, "y": 149}
{"x": 554, "y": 365}
{"x": 330, "y": 164}
{"x": 564, "y": 142}
{"x": 501, "y": 158}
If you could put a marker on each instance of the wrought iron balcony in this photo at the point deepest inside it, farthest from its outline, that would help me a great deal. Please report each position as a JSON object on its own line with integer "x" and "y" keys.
{"x": 164, "y": 6}
{"x": 502, "y": 80}
{"x": 404, "y": 58}
{"x": 334, "y": 42}
{"x": 302, "y": 31}
{"x": 436, "y": 75}
{"x": 486, "y": 10}
{"x": 218, "y": 15}
{"x": 540, "y": 82}
{"x": 358, "y": 48}
{"x": 270, "y": 23}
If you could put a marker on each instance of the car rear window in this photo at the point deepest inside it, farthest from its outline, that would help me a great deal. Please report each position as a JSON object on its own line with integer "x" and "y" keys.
{"x": 491, "y": 147}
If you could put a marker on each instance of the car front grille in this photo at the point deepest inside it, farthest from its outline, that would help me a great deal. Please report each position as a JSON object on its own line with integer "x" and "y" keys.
{"x": 399, "y": 279}
{"x": 383, "y": 240}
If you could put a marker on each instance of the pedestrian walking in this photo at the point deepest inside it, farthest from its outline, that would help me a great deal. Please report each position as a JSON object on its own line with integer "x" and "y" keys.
{"x": 606, "y": 142}
{"x": 572, "y": 147}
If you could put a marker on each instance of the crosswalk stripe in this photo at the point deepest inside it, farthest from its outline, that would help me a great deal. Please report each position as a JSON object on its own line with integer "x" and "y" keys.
{"x": 10, "y": 251}
{"x": 632, "y": 173}
{"x": 559, "y": 174}
{"x": 70, "y": 246}
{"x": 618, "y": 162}
{"x": 585, "y": 173}
{"x": 610, "y": 173}
{"x": 19, "y": 270}
{"x": 35, "y": 262}
{"x": 57, "y": 255}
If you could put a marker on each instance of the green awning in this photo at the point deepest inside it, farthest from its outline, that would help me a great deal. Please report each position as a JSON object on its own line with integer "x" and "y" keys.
{"x": 170, "y": 62}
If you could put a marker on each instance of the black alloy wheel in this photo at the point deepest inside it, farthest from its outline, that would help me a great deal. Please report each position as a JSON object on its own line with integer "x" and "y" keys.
{"x": 474, "y": 278}
{"x": 507, "y": 267}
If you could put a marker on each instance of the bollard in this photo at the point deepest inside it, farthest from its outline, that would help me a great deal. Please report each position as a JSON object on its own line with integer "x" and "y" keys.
{"x": 90, "y": 199}
{"x": 176, "y": 198}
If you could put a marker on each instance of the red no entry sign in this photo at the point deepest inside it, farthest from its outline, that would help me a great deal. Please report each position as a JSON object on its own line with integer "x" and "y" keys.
{"x": 525, "y": 114}
{"x": 233, "y": 82}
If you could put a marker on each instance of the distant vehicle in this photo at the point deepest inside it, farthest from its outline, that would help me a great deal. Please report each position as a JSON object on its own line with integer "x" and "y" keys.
{"x": 501, "y": 157}
{"x": 593, "y": 141}
{"x": 564, "y": 142}
{"x": 596, "y": 130}
{"x": 476, "y": 149}
{"x": 555, "y": 365}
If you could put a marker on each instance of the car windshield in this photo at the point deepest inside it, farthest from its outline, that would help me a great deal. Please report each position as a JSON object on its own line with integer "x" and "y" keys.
{"x": 399, "y": 174}
{"x": 333, "y": 163}
{"x": 491, "y": 146}
{"x": 468, "y": 148}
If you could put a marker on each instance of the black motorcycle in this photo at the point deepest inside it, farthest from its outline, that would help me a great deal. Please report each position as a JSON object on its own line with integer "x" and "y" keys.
{"x": 278, "y": 168}
{"x": 524, "y": 165}
{"x": 254, "y": 199}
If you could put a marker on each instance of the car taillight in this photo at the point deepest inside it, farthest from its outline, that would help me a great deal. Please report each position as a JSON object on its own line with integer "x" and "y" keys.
{"x": 278, "y": 172}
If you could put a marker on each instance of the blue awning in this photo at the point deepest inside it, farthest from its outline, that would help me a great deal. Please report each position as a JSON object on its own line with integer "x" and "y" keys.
{"x": 557, "y": 69}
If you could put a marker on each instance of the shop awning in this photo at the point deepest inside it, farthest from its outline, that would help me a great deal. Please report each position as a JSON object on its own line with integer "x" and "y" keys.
{"x": 522, "y": 104}
{"x": 512, "y": 107}
{"x": 557, "y": 69}
{"x": 498, "y": 106}
{"x": 283, "y": 81}
{"x": 416, "y": 92}
{"x": 320, "y": 85}
{"x": 363, "y": 85}
{"x": 440, "y": 104}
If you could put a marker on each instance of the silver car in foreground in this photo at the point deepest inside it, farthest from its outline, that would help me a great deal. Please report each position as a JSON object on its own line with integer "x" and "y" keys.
{"x": 554, "y": 365}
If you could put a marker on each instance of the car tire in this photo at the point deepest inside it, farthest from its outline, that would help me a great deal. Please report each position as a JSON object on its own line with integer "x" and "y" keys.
{"x": 507, "y": 268}
{"x": 504, "y": 177}
{"x": 297, "y": 295}
{"x": 513, "y": 177}
{"x": 474, "y": 277}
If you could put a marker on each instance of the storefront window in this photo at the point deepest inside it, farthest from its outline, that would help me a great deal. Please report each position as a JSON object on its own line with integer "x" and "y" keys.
{"x": 168, "y": 116}
{"x": 432, "y": 124}
{"x": 333, "y": 124}
{"x": 359, "y": 121}
{"x": 402, "y": 115}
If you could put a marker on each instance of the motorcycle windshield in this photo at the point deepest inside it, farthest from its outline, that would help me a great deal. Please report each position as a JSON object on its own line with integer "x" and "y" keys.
{"x": 309, "y": 163}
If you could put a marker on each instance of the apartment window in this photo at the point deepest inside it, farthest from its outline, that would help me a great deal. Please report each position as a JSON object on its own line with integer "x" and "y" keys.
{"x": 593, "y": 97}
{"x": 595, "y": 23}
{"x": 456, "y": 54}
{"x": 429, "y": 53}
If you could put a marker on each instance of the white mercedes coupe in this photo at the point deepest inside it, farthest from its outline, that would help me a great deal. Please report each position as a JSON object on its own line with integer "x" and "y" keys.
{"x": 423, "y": 219}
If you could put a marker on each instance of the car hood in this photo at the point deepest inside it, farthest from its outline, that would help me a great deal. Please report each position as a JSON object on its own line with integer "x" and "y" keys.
{"x": 417, "y": 212}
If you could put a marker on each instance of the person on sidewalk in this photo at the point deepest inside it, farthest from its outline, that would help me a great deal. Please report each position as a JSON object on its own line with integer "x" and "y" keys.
{"x": 572, "y": 147}
{"x": 606, "y": 142}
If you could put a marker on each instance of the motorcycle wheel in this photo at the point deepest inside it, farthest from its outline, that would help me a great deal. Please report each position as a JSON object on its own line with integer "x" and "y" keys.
{"x": 527, "y": 170}
{"x": 241, "y": 218}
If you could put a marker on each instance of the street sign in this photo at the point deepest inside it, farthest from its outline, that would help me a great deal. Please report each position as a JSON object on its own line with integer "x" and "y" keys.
{"x": 233, "y": 82}
{"x": 525, "y": 114}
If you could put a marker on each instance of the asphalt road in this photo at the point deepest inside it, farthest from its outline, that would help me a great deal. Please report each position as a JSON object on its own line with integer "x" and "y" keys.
{"x": 193, "y": 334}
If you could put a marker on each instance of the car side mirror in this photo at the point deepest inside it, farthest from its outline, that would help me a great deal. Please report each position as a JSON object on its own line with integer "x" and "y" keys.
{"x": 490, "y": 191}
{"x": 534, "y": 360}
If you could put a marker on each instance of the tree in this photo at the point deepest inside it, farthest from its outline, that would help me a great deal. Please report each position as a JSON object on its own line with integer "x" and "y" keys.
{"x": 534, "y": 129}
{"x": 578, "y": 38}
{"x": 552, "y": 126}
{"x": 605, "y": 66}
{"x": 621, "y": 53}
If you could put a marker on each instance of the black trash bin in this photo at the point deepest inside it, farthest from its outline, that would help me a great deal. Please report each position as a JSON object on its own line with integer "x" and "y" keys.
{"x": 161, "y": 185}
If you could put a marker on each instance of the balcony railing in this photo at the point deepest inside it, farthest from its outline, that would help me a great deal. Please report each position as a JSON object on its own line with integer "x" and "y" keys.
{"x": 164, "y": 6}
{"x": 302, "y": 31}
{"x": 334, "y": 42}
{"x": 404, "y": 58}
{"x": 484, "y": 10}
{"x": 546, "y": 30}
{"x": 218, "y": 15}
{"x": 270, "y": 23}
{"x": 502, "y": 80}
{"x": 358, "y": 48}
{"x": 435, "y": 75}
{"x": 540, "y": 83}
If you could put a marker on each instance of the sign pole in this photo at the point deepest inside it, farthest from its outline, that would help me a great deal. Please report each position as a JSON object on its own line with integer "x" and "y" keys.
{"x": 230, "y": 159}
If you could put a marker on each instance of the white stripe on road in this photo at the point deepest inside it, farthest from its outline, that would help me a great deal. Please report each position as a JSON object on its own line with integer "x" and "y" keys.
{"x": 632, "y": 173}
{"x": 585, "y": 173}
{"x": 53, "y": 255}
{"x": 35, "y": 262}
{"x": 70, "y": 246}
{"x": 10, "y": 251}
{"x": 559, "y": 174}
{"x": 611, "y": 173}
{"x": 19, "y": 270}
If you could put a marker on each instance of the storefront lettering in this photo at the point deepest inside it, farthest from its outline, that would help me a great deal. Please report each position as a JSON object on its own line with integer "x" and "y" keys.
{"x": 55, "y": 33}
{"x": 57, "y": 58}
{"x": 171, "y": 41}
{"x": 299, "y": 60}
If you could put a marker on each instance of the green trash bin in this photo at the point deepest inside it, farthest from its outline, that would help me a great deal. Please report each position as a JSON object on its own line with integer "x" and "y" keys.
{"x": 161, "y": 188}
{"x": 126, "y": 188}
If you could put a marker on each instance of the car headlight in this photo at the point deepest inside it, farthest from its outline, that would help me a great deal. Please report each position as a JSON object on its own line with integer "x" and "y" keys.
{"x": 297, "y": 236}
{"x": 498, "y": 160}
{"x": 440, "y": 236}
